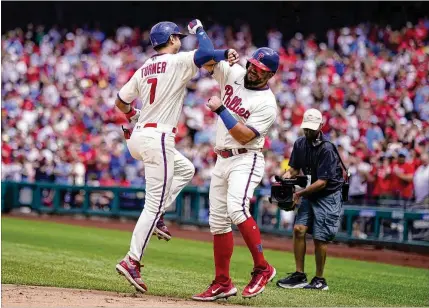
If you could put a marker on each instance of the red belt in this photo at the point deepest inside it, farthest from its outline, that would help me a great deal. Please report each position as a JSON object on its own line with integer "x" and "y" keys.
{"x": 155, "y": 125}
{"x": 230, "y": 153}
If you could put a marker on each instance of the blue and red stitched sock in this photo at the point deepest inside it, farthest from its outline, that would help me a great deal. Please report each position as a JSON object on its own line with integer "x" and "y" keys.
{"x": 252, "y": 236}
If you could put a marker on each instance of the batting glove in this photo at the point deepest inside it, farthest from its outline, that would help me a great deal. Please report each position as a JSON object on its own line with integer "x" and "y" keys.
{"x": 127, "y": 132}
{"x": 133, "y": 115}
{"x": 194, "y": 25}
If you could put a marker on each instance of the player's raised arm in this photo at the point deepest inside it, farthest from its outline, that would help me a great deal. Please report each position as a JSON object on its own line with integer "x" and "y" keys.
{"x": 206, "y": 56}
{"x": 232, "y": 57}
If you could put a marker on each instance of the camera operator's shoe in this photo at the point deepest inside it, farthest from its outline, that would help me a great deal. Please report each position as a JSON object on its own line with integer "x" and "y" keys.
{"x": 317, "y": 284}
{"x": 295, "y": 280}
{"x": 161, "y": 230}
{"x": 260, "y": 278}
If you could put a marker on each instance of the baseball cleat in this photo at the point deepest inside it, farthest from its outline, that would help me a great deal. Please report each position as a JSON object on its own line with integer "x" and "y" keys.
{"x": 161, "y": 230}
{"x": 295, "y": 280}
{"x": 216, "y": 291}
{"x": 130, "y": 269}
{"x": 317, "y": 284}
{"x": 260, "y": 278}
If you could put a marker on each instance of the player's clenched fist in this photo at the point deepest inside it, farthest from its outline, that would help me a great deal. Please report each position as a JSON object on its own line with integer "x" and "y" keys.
{"x": 233, "y": 57}
{"x": 194, "y": 25}
{"x": 214, "y": 103}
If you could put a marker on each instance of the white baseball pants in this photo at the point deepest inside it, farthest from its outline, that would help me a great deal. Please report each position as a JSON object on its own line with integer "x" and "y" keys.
{"x": 167, "y": 172}
{"x": 233, "y": 182}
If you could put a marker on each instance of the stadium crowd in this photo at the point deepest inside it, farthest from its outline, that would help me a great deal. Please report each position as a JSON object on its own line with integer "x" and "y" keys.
{"x": 59, "y": 122}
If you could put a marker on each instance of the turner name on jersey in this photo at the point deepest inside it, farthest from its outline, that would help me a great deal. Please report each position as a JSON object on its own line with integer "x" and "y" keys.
{"x": 160, "y": 83}
{"x": 153, "y": 68}
{"x": 257, "y": 109}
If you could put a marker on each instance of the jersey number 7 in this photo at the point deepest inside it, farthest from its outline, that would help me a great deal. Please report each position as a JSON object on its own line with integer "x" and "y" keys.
{"x": 153, "y": 82}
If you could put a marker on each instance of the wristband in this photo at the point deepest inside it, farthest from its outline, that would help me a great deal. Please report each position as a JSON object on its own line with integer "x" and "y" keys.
{"x": 130, "y": 113}
{"x": 226, "y": 117}
{"x": 220, "y": 109}
{"x": 226, "y": 53}
{"x": 199, "y": 29}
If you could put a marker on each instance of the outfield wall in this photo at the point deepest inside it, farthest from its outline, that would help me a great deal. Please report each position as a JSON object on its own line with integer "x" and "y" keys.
{"x": 392, "y": 227}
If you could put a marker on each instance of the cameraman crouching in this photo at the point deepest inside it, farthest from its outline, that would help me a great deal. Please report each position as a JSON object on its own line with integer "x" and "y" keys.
{"x": 320, "y": 209}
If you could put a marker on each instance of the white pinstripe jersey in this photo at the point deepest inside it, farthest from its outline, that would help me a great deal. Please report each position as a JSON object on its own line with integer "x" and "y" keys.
{"x": 160, "y": 84}
{"x": 257, "y": 109}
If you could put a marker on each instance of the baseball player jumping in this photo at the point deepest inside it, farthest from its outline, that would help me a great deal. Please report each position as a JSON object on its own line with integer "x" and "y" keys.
{"x": 160, "y": 83}
{"x": 247, "y": 110}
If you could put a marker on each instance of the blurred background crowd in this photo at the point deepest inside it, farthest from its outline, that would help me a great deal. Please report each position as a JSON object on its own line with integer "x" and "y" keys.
{"x": 59, "y": 122}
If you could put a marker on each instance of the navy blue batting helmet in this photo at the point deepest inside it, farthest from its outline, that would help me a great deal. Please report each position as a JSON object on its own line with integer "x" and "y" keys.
{"x": 266, "y": 59}
{"x": 160, "y": 33}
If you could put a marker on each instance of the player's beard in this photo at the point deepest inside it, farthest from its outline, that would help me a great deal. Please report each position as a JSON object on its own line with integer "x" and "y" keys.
{"x": 252, "y": 83}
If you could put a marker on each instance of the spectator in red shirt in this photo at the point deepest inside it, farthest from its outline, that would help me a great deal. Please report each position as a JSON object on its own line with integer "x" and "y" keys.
{"x": 336, "y": 97}
{"x": 402, "y": 178}
{"x": 382, "y": 179}
{"x": 123, "y": 182}
{"x": 106, "y": 179}
{"x": 421, "y": 32}
{"x": 6, "y": 151}
{"x": 297, "y": 113}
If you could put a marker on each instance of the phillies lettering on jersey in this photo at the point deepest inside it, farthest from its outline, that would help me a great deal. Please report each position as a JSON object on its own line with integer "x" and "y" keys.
{"x": 235, "y": 103}
{"x": 254, "y": 108}
{"x": 160, "y": 84}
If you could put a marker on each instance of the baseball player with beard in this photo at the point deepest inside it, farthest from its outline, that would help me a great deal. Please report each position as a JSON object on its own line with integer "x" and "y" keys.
{"x": 247, "y": 109}
{"x": 160, "y": 83}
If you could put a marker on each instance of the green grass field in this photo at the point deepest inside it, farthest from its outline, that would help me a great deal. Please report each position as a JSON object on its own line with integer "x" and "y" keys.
{"x": 50, "y": 254}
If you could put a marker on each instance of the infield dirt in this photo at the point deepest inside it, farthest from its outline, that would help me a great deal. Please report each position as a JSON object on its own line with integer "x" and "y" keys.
{"x": 34, "y": 296}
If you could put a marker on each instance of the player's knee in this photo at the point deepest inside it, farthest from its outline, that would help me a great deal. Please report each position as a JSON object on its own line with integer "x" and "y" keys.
{"x": 151, "y": 209}
{"x": 152, "y": 201}
{"x": 219, "y": 226}
{"x": 215, "y": 230}
{"x": 238, "y": 216}
{"x": 190, "y": 171}
{"x": 299, "y": 231}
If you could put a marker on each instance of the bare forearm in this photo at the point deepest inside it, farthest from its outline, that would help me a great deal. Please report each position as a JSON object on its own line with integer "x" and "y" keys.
{"x": 315, "y": 187}
{"x": 242, "y": 133}
{"x": 132, "y": 114}
{"x": 125, "y": 108}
